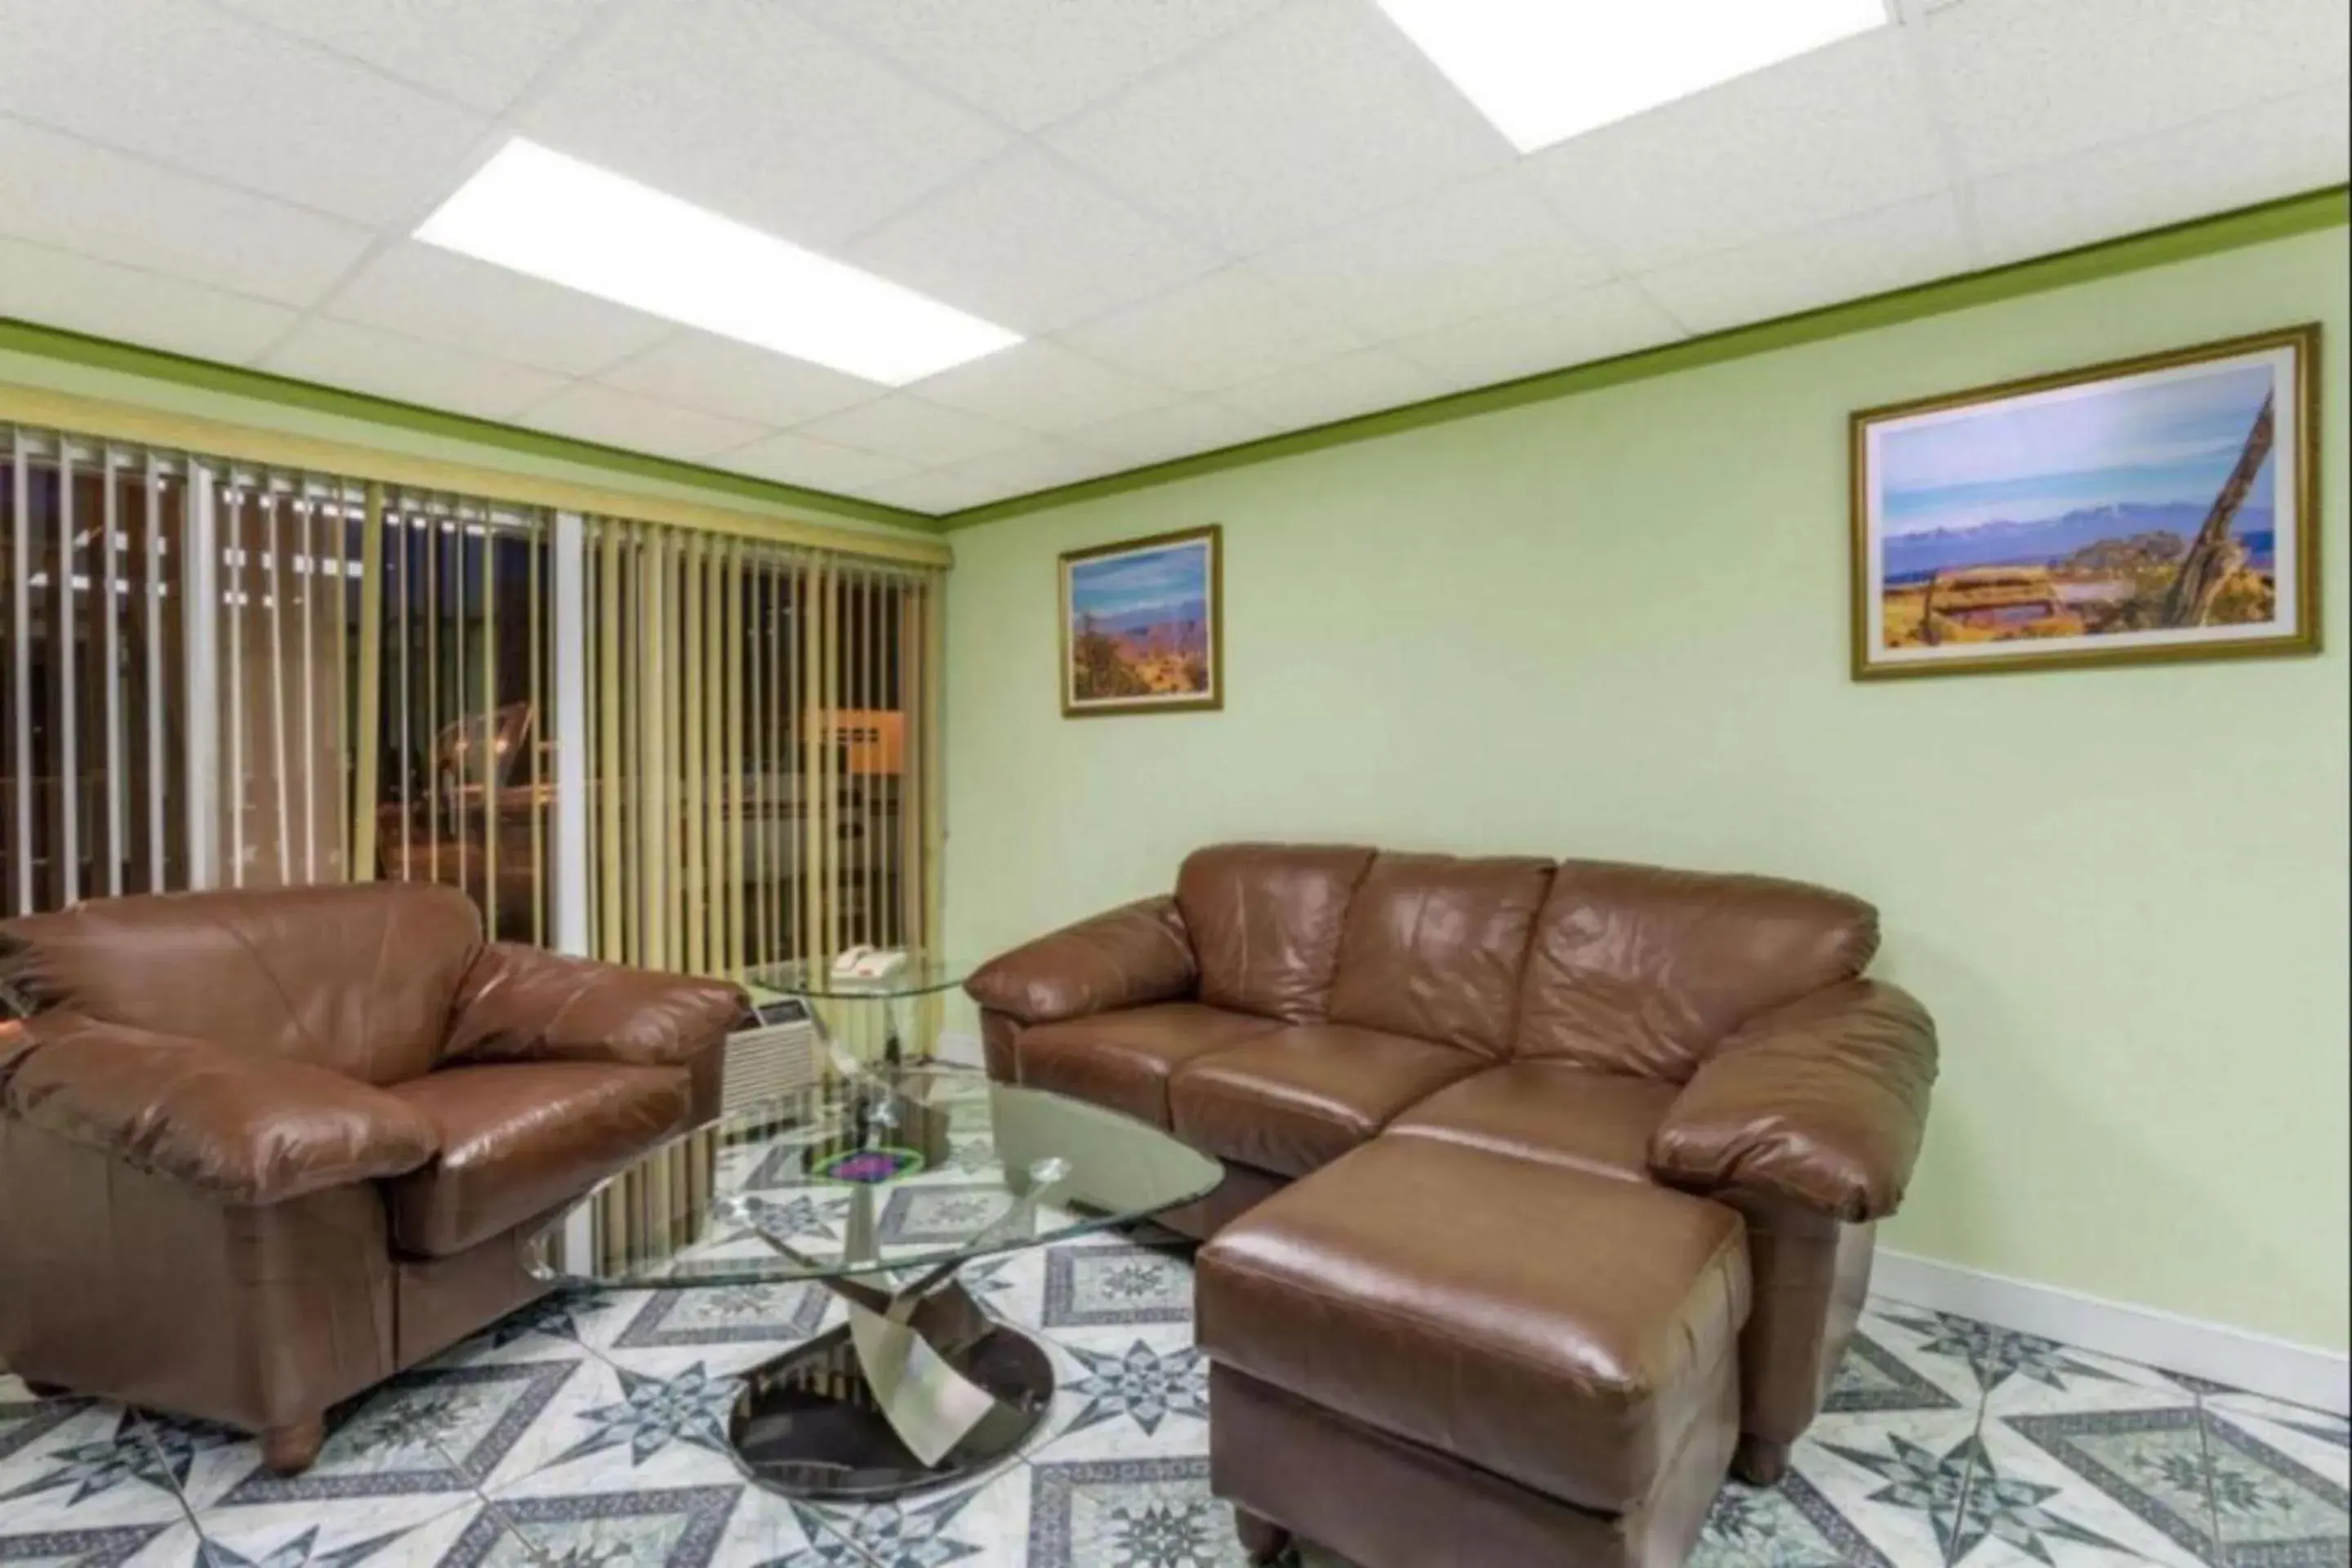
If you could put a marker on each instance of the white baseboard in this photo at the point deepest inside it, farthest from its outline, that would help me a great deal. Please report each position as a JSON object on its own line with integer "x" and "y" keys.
{"x": 959, "y": 1047}
{"x": 2255, "y": 1363}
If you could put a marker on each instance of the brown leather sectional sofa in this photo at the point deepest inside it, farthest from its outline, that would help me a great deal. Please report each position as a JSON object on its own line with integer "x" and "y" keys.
{"x": 259, "y": 1151}
{"x": 1591, "y": 1156}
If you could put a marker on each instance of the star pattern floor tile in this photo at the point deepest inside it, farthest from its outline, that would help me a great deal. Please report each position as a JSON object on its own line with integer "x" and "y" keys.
{"x": 586, "y": 1431}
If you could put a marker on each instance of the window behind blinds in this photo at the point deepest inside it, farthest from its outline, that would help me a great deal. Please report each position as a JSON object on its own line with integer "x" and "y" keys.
{"x": 220, "y": 674}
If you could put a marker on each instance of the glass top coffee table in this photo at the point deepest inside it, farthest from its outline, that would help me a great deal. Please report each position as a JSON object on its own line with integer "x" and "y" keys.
{"x": 881, "y": 1186}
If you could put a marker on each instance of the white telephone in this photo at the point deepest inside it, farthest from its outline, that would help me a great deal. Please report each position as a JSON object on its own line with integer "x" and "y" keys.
{"x": 863, "y": 961}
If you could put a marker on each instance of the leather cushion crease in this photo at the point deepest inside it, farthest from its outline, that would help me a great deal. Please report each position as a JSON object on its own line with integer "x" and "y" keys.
{"x": 1643, "y": 970}
{"x": 517, "y": 1139}
{"x": 1130, "y": 957}
{"x": 1299, "y": 1098}
{"x": 1265, "y": 922}
{"x": 1432, "y": 947}
{"x": 1124, "y": 1059}
{"x": 244, "y": 1130}
{"x": 355, "y": 978}
{"x": 524, "y": 1003}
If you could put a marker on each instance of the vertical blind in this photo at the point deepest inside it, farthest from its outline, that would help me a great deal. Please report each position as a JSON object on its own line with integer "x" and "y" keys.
{"x": 764, "y": 766}
{"x": 458, "y": 638}
{"x": 220, "y": 674}
{"x": 94, "y": 736}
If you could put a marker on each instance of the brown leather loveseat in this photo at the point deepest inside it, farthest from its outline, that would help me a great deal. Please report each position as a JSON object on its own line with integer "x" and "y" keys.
{"x": 1563, "y": 1127}
{"x": 259, "y": 1150}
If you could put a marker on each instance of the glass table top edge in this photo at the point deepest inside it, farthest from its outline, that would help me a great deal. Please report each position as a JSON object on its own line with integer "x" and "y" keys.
{"x": 1053, "y": 1224}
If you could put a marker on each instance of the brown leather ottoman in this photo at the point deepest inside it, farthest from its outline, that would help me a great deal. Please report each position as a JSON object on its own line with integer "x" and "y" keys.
{"x": 1428, "y": 1355}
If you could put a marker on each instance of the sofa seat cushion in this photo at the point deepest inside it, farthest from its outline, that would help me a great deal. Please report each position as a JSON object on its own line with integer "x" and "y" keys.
{"x": 1563, "y": 1330}
{"x": 1562, "y": 1115}
{"x": 1299, "y": 1098}
{"x": 518, "y": 1139}
{"x": 1124, "y": 1059}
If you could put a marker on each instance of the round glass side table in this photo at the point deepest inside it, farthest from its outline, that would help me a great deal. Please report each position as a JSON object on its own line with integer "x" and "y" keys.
{"x": 924, "y": 973}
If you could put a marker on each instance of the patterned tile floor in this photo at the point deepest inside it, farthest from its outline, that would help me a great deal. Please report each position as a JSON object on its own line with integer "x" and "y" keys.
{"x": 586, "y": 1431}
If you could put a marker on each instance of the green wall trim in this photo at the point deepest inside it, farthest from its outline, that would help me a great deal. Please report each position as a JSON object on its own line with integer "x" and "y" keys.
{"x": 2280, "y": 219}
{"x": 209, "y": 375}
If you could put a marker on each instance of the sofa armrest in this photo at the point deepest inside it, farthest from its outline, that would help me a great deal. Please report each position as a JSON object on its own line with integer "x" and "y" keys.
{"x": 525, "y": 1004}
{"x": 1822, "y": 1102}
{"x": 1128, "y": 956}
{"x": 245, "y": 1129}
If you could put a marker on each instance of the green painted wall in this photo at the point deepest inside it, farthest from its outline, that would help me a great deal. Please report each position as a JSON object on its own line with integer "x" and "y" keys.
{"x": 1615, "y": 624}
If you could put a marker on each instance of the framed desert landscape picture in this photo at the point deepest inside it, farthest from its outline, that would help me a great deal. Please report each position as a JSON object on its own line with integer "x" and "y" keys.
{"x": 1142, "y": 625}
{"x": 2161, "y": 508}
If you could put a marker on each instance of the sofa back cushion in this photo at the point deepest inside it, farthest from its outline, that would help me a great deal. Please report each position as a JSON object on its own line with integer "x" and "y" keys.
{"x": 358, "y": 979}
{"x": 1264, "y": 919}
{"x": 1634, "y": 969}
{"x": 1433, "y": 944}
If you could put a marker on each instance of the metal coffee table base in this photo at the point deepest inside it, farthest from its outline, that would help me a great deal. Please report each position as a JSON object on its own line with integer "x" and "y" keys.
{"x": 810, "y": 1423}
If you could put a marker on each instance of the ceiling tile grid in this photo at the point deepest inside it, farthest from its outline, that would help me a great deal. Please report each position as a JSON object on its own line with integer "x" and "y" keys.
{"x": 62, "y": 288}
{"x": 389, "y": 365}
{"x": 211, "y": 93}
{"x": 1316, "y": 112}
{"x": 589, "y": 411}
{"x": 747, "y": 108}
{"x": 1227, "y": 328}
{"x": 1839, "y": 131}
{"x": 1212, "y": 221}
{"x": 1598, "y": 322}
{"x": 719, "y": 375}
{"x": 441, "y": 297}
{"x": 69, "y": 194}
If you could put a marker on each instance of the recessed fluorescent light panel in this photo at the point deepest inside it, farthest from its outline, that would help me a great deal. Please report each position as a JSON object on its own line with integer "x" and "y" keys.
{"x": 536, "y": 211}
{"x": 1545, "y": 70}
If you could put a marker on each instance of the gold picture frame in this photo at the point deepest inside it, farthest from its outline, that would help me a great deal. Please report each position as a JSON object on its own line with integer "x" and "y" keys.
{"x": 1143, "y": 625}
{"x": 2154, "y": 508}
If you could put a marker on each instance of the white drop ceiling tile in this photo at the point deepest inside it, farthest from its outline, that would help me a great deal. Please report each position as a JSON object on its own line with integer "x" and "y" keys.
{"x": 2020, "y": 82}
{"x": 1032, "y": 244}
{"x": 479, "y": 52}
{"x": 719, "y": 375}
{"x": 1179, "y": 430}
{"x": 1041, "y": 465}
{"x": 1847, "y": 259}
{"x": 1306, "y": 118}
{"x": 1044, "y": 388}
{"x": 744, "y": 106}
{"x": 1227, "y": 328}
{"x": 361, "y": 359}
{"x": 1588, "y": 324}
{"x": 1839, "y": 130}
{"x": 1467, "y": 251}
{"x": 424, "y": 291}
{"x": 907, "y": 427}
{"x": 2232, "y": 160}
{"x": 590, "y": 412}
{"x": 795, "y": 459}
{"x": 1031, "y": 62}
{"x": 59, "y": 191}
{"x": 938, "y": 491}
{"x": 207, "y": 92}
{"x": 1365, "y": 382}
{"x": 59, "y": 289}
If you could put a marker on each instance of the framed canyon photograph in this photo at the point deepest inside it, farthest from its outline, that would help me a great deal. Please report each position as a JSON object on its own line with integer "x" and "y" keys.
{"x": 2161, "y": 508}
{"x": 1142, "y": 625}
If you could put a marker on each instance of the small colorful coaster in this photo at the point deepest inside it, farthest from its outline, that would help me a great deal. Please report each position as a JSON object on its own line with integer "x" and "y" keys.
{"x": 869, "y": 1167}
